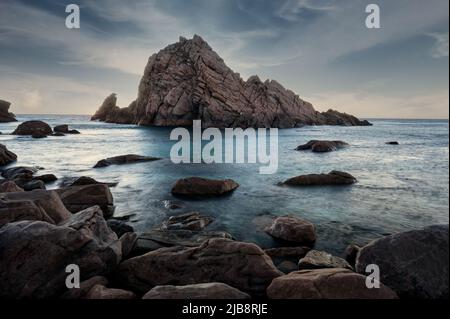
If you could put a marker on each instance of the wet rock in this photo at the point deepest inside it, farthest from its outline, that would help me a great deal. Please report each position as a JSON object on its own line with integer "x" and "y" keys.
{"x": 119, "y": 227}
{"x": 413, "y": 263}
{"x": 39, "y": 135}
{"x": 73, "y": 132}
{"x": 34, "y": 128}
{"x": 64, "y": 128}
{"x": 393, "y": 143}
{"x": 351, "y": 251}
{"x": 315, "y": 259}
{"x": 332, "y": 178}
{"x": 5, "y": 115}
{"x": 333, "y": 283}
{"x": 32, "y": 185}
{"x": 322, "y": 146}
{"x": 36, "y": 205}
{"x": 292, "y": 229}
{"x": 125, "y": 159}
{"x": 6, "y": 156}
{"x": 10, "y": 187}
{"x": 287, "y": 252}
{"x": 214, "y": 290}
{"x": 101, "y": 292}
{"x": 241, "y": 265}
{"x": 46, "y": 178}
{"x": 173, "y": 205}
{"x": 77, "y": 198}
{"x": 85, "y": 287}
{"x": 81, "y": 181}
{"x": 19, "y": 172}
{"x": 128, "y": 241}
{"x": 196, "y": 186}
{"x": 189, "y": 221}
{"x": 46, "y": 249}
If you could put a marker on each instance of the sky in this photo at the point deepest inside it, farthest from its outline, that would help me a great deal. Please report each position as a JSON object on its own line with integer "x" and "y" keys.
{"x": 320, "y": 49}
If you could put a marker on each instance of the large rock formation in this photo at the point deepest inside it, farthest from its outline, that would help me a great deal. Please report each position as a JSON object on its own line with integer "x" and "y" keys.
{"x": 188, "y": 80}
{"x": 5, "y": 115}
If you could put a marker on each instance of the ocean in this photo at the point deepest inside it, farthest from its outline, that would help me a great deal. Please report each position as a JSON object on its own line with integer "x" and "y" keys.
{"x": 399, "y": 187}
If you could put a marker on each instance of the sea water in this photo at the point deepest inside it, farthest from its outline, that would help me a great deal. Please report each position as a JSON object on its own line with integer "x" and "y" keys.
{"x": 399, "y": 187}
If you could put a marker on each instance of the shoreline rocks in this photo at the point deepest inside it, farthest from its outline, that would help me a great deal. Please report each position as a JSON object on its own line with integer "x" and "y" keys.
{"x": 317, "y": 146}
{"x": 332, "y": 178}
{"x": 292, "y": 229}
{"x": 214, "y": 290}
{"x": 6, "y": 156}
{"x": 125, "y": 159}
{"x": 189, "y": 221}
{"x": 196, "y": 187}
{"x": 5, "y": 115}
{"x": 315, "y": 259}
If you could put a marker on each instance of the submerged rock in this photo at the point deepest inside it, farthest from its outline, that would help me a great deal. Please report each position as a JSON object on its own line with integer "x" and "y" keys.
{"x": 6, "y": 156}
{"x": 213, "y": 290}
{"x": 34, "y": 128}
{"x": 332, "y": 178}
{"x": 45, "y": 250}
{"x": 5, "y": 115}
{"x": 322, "y": 146}
{"x": 196, "y": 186}
{"x": 414, "y": 263}
{"x": 241, "y": 265}
{"x": 125, "y": 159}
{"x": 315, "y": 259}
{"x": 333, "y": 283}
{"x": 292, "y": 229}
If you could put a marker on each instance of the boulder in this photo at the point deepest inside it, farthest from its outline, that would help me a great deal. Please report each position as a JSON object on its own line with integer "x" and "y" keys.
{"x": 287, "y": 266}
{"x": 119, "y": 227}
{"x": 322, "y": 146}
{"x": 85, "y": 287}
{"x": 287, "y": 252}
{"x": 64, "y": 128}
{"x": 35, "y": 254}
{"x": 189, "y": 221}
{"x": 101, "y": 292}
{"x": 414, "y": 263}
{"x": 81, "y": 181}
{"x": 332, "y": 283}
{"x": 31, "y": 185}
{"x": 214, "y": 290}
{"x": 128, "y": 240}
{"x": 46, "y": 178}
{"x": 196, "y": 186}
{"x": 241, "y": 265}
{"x": 18, "y": 172}
{"x": 34, "y": 128}
{"x": 125, "y": 159}
{"x": 10, "y": 187}
{"x": 332, "y": 178}
{"x": 5, "y": 115}
{"x": 393, "y": 143}
{"x": 315, "y": 259}
{"x": 292, "y": 229}
{"x": 40, "y": 205}
{"x": 77, "y": 198}
{"x": 6, "y": 156}
{"x": 351, "y": 251}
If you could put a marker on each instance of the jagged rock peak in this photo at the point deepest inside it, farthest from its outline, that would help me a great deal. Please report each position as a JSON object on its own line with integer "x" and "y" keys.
{"x": 188, "y": 80}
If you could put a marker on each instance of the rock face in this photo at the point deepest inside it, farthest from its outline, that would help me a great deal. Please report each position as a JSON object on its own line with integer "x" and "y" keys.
{"x": 319, "y": 259}
{"x": 214, "y": 290}
{"x": 6, "y": 156}
{"x": 35, "y": 254}
{"x": 332, "y": 178}
{"x": 413, "y": 263}
{"x": 325, "y": 284}
{"x": 125, "y": 159}
{"x": 33, "y": 128}
{"x": 5, "y": 115}
{"x": 196, "y": 186}
{"x": 188, "y": 80}
{"x": 240, "y": 265}
{"x": 292, "y": 229}
{"x": 322, "y": 146}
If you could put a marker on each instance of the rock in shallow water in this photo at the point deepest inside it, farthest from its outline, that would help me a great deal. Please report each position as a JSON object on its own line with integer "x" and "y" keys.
{"x": 36, "y": 128}
{"x": 241, "y": 265}
{"x": 188, "y": 221}
{"x": 125, "y": 159}
{"x": 196, "y": 186}
{"x": 336, "y": 283}
{"x": 292, "y": 229}
{"x": 315, "y": 259}
{"x": 414, "y": 263}
{"x": 332, "y": 178}
{"x": 322, "y": 146}
{"x": 214, "y": 290}
{"x": 6, "y": 156}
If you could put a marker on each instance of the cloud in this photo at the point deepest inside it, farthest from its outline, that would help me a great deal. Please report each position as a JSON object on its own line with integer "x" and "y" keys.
{"x": 31, "y": 100}
{"x": 440, "y": 48}
{"x": 292, "y": 10}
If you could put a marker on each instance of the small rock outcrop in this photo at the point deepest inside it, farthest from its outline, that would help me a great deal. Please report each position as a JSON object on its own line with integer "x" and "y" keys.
{"x": 64, "y": 129}
{"x": 332, "y": 178}
{"x": 196, "y": 186}
{"x": 322, "y": 146}
{"x": 6, "y": 156}
{"x": 214, "y": 290}
{"x": 188, "y": 80}
{"x": 336, "y": 283}
{"x": 125, "y": 159}
{"x": 315, "y": 259}
{"x": 413, "y": 263}
{"x": 292, "y": 229}
{"x": 33, "y": 128}
{"x": 5, "y": 115}
{"x": 189, "y": 221}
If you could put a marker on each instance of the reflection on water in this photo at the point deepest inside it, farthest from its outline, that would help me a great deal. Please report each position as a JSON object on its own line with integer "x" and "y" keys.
{"x": 400, "y": 187}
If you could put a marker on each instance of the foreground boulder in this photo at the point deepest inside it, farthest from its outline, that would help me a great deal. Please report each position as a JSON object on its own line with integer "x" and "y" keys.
{"x": 34, "y": 254}
{"x": 6, "y": 156}
{"x": 125, "y": 159}
{"x": 292, "y": 229}
{"x": 332, "y": 178}
{"x": 5, "y": 115}
{"x": 77, "y": 198}
{"x": 333, "y": 283}
{"x": 33, "y": 128}
{"x": 9, "y": 187}
{"x": 315, "y": 259}
{"x": 196, "y": 186}
{"x": 241, "y": 265}
{"x": 214, "y": 290}
{"x": 322, "y": 146}
{"x": 414, "y": 263}
{"x": 38, "y": 205}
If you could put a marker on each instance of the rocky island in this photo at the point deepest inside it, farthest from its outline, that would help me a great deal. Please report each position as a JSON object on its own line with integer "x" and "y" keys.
{"x": 188, "y": 81}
